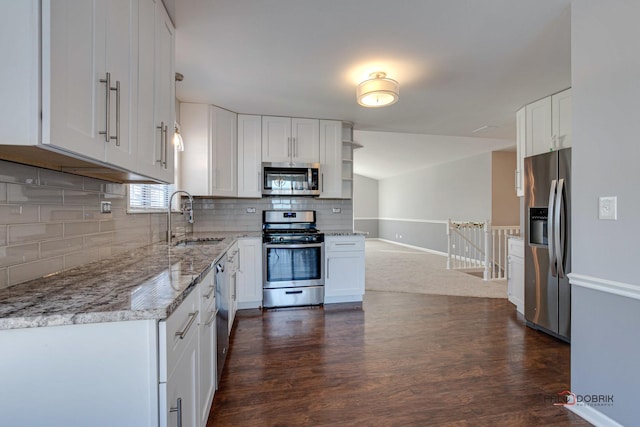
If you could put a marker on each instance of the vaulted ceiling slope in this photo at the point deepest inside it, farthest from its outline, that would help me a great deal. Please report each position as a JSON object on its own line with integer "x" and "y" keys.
{"x": 461, "y": 64}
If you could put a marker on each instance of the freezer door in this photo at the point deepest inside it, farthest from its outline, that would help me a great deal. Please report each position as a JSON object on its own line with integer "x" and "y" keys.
{"x": 564, "y": 251}
{"x": 541, "y": 288}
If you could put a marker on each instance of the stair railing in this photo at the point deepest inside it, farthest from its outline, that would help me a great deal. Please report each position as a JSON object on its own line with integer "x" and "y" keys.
{"x": 477, "y": 246}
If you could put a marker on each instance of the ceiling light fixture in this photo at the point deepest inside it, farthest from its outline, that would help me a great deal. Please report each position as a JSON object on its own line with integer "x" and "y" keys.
{"x": 377, "y": 91}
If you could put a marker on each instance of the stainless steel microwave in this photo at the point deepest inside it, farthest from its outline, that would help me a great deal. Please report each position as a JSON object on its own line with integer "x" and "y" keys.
{"x": 284, "y": 179}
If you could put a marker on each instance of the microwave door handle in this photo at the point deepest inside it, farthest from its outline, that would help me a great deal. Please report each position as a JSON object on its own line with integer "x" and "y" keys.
{"x": 559, "y": 229}
{"x": 551, "y": 228}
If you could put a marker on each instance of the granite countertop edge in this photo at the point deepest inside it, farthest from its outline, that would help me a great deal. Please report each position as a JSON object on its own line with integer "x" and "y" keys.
{"x": 344, "y": 233}
{"x": 146, "y": 283}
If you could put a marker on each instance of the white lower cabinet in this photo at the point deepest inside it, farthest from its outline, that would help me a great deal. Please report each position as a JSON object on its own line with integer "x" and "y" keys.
{"x": 515, "y": 280}
{"x": 249, "y": 276}
{"x": 231, "y": 269}
{"x": 180, "y": 365}
{"x": 96, "y": 374}
{"x": 143, "y": 373}
{"x": 208, "y": 342}
{"x": 182, "y": 388}
{"x": 344, "y": 269}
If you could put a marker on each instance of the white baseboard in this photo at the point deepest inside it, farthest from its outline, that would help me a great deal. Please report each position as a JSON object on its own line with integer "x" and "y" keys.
{"x": 418, "y": 248}
{"x": 594, "y": 416}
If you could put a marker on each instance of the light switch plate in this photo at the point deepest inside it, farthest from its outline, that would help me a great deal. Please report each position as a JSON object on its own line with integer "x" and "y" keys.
{"x": 336, "y": 210}
{"x": 105, "y": 207}
{"x": 251, "y": 210}
{"x": 608, "y": 208}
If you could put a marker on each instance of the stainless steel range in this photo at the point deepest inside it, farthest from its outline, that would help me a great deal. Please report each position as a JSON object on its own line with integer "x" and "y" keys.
{"x": 293, "y": 254}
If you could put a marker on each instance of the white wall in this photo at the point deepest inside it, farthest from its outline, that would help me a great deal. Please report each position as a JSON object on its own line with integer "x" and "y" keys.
{"x": 459, "y": 190}
{"x": 365, "y": 205}
{"x": 605, "y": 284}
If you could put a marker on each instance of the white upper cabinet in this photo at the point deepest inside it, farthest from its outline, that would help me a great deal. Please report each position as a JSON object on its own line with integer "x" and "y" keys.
{"x": 542, "y": 126}
{"x": 73, "y": 82}
{"x": 538, "y": 124}
{"x": 209, "y": 161}
{"x": 548, "y": 124}
{"x": 249, "y": 155}
{"x": 330, "y": 159}
{"x": 561, "y": 119}
{"x": 156, "y": 92}
{"x": 290, "y": 140}
{"x": 89, "y": 78}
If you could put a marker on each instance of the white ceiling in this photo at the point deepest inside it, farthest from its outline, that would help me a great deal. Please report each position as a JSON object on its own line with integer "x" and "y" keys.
{"x": 461, "y": 64}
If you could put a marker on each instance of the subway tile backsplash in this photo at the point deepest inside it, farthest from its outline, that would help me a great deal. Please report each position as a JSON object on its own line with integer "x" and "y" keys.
{"x": 51, "y": 221}
{"x": 231, "y": 214}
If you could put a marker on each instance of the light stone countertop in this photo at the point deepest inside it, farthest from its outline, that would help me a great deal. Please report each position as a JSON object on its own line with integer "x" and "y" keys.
{"x": 145, "y": 283}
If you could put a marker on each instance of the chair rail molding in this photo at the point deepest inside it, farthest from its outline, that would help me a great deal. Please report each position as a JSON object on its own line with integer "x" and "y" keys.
{"x": 604, "y": 285}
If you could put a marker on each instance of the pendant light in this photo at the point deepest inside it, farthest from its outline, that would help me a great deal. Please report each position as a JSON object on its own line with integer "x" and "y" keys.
{"x": 377, "y": 91}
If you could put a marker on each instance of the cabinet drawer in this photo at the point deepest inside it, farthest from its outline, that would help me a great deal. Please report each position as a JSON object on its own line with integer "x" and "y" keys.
{"x": 180, "y": 327}
{"x": 345, "y": 243}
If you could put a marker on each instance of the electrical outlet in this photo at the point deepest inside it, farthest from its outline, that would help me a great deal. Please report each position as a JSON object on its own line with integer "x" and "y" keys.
{"x": 608, "y": 208}
{"x": 251, "y": 210}
{"x": 336, "y": 210}
{"x": 105, "y": 207}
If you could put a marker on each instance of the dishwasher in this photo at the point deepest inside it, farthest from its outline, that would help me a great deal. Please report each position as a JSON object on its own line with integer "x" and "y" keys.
{"x": 222, "y": 318}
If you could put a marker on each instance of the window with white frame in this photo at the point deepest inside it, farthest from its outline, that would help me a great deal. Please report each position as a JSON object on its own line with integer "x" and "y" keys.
{"x": 149, "y": 197}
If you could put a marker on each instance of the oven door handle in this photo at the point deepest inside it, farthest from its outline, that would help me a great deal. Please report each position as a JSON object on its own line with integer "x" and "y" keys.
{"x": 292, "y": 245}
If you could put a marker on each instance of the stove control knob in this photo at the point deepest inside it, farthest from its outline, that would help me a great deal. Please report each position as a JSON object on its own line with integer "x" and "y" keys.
{"x": 282, "y": 239}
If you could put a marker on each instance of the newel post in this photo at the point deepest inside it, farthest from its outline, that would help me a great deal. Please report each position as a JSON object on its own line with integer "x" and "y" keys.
{"x": 449, "y": 244}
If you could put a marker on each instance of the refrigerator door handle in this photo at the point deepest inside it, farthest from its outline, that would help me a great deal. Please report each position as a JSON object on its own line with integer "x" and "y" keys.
{"x": 559, "y": 230}
{"x": 551, "y": 231}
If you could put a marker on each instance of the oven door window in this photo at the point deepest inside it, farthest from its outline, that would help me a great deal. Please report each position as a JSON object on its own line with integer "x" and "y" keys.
{"x": 286, "y": 264}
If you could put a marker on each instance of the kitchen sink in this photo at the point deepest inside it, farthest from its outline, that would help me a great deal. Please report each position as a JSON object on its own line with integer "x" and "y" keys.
{"x": 200, "y": 242}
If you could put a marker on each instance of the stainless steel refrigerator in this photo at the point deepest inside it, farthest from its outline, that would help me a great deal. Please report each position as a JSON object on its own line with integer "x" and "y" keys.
{"x": 547, "y": 197}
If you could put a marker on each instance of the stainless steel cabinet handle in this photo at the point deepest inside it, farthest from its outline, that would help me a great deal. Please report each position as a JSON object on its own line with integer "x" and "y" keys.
{"x": 207, "y": 296}
{"x": 289, "y": 147}
{"x": 295, "y": 146}
{"x": 235, "y": 287}
{"x": 117, "y": 137}
{"x": 346, "y": 244}
{"x": 213, "y": 316}
{"x": 551, "y": 228}
{"x": 183, "y": 333}
{"x": 178, "y": 409}
{"x": 161, "y": 128}
{"x": 164, "y": 163}
{"x": 559, "y": 232}
{"x": 107, "y": 113}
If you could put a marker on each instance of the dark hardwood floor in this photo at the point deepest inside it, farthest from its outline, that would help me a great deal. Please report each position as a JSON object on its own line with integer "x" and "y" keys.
{"x": 399, "y": 360}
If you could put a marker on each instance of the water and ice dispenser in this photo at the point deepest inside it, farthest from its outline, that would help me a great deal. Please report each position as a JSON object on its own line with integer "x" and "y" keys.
{"x": 538, "y": 218}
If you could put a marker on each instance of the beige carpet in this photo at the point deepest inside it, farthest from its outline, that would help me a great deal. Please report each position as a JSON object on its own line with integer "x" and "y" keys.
{"x": 397, "y": 268}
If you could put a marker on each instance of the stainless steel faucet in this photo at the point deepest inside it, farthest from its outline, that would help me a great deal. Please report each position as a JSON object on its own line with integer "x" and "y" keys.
{"x": 189, "y": 211}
